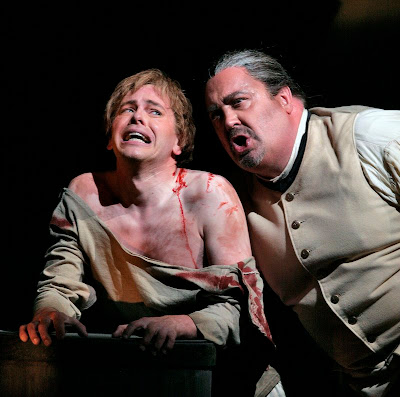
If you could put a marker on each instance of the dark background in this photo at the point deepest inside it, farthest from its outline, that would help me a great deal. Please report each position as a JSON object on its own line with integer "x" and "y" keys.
{"x": 62, "y": 62}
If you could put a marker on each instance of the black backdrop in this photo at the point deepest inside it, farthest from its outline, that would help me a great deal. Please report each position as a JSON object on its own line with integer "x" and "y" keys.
{"x": 62, "y": 61}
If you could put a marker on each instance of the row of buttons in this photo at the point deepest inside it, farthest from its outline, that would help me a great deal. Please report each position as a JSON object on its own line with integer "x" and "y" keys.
{"x": 305, "y": 253}
{"x": 352, "y": 320}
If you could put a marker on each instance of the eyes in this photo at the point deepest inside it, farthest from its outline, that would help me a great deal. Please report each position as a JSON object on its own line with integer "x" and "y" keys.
{"x": 237, "y": 101}
{"x": 151, "y": 111}
{"x": 240, "y": 103}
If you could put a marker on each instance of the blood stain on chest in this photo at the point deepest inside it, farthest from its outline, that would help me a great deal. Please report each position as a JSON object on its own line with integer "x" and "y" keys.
{"x": 209, "y": 180}
{"x": 180, "y": 184}
{"x": 222, "y": 204}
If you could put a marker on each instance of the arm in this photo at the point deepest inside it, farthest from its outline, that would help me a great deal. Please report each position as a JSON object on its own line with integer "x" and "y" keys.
{"x": 216, "y": 316}
{"x": 227, "y": 243}
{"x": 392, "y": 162}
{"x": 221, "y": 217}
{"x": 60, "y": 289}
{"x": 225, "y": 230}
{"x": 377, "y": 134}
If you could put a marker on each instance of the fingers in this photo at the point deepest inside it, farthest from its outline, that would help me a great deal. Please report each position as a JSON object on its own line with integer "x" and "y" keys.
{"x": 43, "y": 329}
{"x": 38, "y": 329}
{"x": 157, "y": 338}
{"x": 23, "y": 333}
{"x": 60, "y": 321}
{"x": 59, "y": 326}
{"x": 79, "y": 327}
{"x": 119, "y": 331}
{"x": 169, "y": 344}
{"x": 35, "y": 331}
{"x": 164, "y": 340}
{"x": 159, "y": 333}
{"x": 135, "y": 327}
{"x": 32, "y": 328}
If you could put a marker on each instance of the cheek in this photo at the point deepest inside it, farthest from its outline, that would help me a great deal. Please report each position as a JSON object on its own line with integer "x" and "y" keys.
{"x": 118, "y": 123}
{"x": 221, "y": 136}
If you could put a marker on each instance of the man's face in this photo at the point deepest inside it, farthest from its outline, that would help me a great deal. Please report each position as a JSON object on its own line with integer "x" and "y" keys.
{"x": 250, "y": 123}
{"x": 144, "y": 127}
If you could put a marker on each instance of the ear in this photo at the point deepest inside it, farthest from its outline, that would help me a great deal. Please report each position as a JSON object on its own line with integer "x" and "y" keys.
{"x": 109, "y": 144}
{"x": 176, "y": 150}
{"x": 285, "y": 98}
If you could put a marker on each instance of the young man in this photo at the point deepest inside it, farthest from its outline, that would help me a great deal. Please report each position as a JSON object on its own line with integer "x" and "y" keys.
{"x": 322, "y": 201}
{"x": 149, "y": 246}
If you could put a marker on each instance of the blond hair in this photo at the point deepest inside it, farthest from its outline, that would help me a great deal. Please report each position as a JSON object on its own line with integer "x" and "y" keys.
{"x": 180, "y": 105}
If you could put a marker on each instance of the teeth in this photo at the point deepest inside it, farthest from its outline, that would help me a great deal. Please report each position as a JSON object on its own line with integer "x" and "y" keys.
{"x": 138, "y": 136}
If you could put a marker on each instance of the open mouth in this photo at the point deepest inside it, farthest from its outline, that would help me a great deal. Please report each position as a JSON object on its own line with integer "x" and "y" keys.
{"x": 136, "y": 136}
{"x": 240, "y": 142}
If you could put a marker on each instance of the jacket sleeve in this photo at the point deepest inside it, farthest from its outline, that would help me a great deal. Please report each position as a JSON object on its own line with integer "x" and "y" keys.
{"x": 392, "y": 162}
{"x": 377, "y": 136}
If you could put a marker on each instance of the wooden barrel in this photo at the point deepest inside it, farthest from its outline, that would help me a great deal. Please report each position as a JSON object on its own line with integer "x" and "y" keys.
{"x": 100, "y": 365}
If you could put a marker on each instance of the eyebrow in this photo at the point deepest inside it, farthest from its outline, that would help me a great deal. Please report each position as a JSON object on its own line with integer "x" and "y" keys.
{"x": 213, "y": 107}
{"x": 148, "y": 102}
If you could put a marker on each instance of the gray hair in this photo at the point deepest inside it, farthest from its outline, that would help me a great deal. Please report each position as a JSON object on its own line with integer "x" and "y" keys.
{"x": 261, "y": 67}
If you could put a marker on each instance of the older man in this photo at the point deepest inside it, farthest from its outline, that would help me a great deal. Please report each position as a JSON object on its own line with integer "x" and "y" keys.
{"x": 322, "y": 195}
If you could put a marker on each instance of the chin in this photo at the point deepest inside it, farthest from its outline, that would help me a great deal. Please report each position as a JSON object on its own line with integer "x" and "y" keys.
{"x": 249, "y": 162}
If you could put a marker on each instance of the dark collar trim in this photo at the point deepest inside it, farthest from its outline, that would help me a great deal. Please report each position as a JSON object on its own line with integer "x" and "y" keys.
{"x": 284, "y": 184}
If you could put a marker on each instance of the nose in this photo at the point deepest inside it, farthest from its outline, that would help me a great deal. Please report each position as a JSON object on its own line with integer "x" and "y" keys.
{"x": 137, "y": 117}
{"x": 231, "y": 118}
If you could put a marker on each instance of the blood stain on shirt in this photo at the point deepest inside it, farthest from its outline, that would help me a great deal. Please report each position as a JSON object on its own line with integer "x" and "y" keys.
{"x": 216, "y": 282}
{"x": 62, "y": 223}
{"x": 256, "y": 306}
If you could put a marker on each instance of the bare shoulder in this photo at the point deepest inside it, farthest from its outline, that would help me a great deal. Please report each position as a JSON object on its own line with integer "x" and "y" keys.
{"x": 82, "y": 184}
{"x": 203, "y": 180}
{"x": 89, "y": 185}
{"x": 208, "y": 186}
{"x": 220, "y": 218}
{"x": 92, "y": 188}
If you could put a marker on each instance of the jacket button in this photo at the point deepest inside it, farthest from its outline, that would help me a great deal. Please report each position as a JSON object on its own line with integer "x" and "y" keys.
{"x": 352, "y": 320}
{"x": 295, "y": 224}
{"x": 371, "y": 338}
{"x": 289, "y": 197}
{"x": 305, "y": 253}
{"x": 335, "y": 299}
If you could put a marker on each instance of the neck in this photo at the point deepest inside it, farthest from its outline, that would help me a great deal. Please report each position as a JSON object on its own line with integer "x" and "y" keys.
{"x": 283, "y": 157}
{"x": 143, "y": 185}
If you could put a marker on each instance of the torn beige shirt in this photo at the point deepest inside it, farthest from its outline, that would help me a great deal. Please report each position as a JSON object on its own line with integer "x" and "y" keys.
{"x": 83, "y": 248}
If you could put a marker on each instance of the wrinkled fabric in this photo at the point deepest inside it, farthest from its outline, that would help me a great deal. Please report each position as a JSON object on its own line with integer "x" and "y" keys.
{"x": 377, "y": 139}
{"x": 85, "y": 254}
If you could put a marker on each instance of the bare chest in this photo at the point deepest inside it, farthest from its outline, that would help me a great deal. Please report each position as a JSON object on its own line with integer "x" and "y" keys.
{"x": 167, "y": 233}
